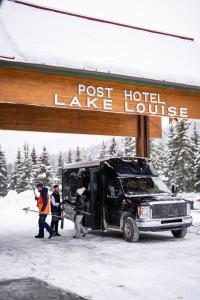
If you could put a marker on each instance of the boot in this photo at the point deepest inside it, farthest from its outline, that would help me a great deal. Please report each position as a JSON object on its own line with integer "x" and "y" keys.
{"x": 39, "y": 236}
{"x": 51, "y": 235}
{"x": 57, "y": 234}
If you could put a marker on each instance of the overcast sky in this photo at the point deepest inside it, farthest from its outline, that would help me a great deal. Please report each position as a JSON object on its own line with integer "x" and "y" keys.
{"x": 174, "y": 16}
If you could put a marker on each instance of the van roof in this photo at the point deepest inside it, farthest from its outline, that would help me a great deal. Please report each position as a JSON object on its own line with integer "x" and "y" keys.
{"x": 95, "y": 163}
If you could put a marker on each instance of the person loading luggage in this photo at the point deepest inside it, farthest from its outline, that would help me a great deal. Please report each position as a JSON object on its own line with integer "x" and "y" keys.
{"x": 81, "y": 231}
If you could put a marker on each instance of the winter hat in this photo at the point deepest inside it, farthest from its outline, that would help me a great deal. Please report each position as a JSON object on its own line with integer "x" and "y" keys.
{"x": 39, "y": 185}
{"x": 81, "y": 191}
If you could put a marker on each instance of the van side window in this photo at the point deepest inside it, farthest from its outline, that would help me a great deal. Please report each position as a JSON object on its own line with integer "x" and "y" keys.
{"x": 113, "y": 188}
{"x": 74, "y": 182}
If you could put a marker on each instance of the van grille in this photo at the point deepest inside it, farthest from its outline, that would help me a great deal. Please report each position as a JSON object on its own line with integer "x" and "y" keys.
{"x": 169, "y": 210}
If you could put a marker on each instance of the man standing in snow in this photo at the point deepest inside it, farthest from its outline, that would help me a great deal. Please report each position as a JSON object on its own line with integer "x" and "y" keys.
{"x": 55, "y": 209}
{"x": 43, "y": 203}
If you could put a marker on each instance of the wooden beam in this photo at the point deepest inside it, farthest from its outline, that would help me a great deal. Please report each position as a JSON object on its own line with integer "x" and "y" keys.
{"x": 50, "y": 119}
{"x": 143, "y": 139}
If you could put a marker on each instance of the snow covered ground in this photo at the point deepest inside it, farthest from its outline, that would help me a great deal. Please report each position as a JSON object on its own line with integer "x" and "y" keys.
{"x": 101, "y": 266}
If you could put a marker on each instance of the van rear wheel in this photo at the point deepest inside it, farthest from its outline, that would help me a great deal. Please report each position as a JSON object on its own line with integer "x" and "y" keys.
{"x": 179, "y": 234}
{"x": 130, "y": 230}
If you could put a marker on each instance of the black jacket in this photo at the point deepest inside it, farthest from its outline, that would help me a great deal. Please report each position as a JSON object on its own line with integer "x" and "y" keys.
{"x": 79, "y": 205}
{"x": 55, "y": 209}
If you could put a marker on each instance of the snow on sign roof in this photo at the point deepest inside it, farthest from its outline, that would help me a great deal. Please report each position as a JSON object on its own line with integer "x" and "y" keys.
{"x": 36, "y": 36}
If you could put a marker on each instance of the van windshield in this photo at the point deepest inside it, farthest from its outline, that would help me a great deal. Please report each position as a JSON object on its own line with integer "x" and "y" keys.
{"x": 144, "y": 185}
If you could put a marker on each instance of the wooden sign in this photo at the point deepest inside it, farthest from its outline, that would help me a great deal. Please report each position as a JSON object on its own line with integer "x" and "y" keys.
{"x": 74, "y": 92}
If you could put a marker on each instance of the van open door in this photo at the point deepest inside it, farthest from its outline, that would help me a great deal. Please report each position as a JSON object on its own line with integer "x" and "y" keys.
{"x": 94, "y": 206}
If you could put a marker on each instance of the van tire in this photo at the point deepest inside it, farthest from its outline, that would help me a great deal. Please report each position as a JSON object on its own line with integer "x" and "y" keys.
{"x": 130, "y": 230}
{"x": 179, "y": 234}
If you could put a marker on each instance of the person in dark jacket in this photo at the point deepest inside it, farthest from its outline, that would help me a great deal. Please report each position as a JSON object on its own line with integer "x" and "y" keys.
{"x": 55, "y": 209}
{"x": 81, "y": 231}
{"x": 43, "y": 203}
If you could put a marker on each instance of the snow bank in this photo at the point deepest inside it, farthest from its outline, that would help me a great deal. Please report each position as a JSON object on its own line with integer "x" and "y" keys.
{"x": 12, "y": 217}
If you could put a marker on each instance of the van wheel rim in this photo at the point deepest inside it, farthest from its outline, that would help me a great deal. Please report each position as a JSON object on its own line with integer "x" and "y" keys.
{"x": 127, "y": 230}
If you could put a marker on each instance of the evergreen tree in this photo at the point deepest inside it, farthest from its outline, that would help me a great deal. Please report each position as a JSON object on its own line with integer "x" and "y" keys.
{"x": 10, "y": 167}
{"x": 170, "y": 161}
{"x": 195, "y": 143}
{"x": 185, "y": 171}
{"x": 78, "y": 154}
{"x": 15, "y": 183}
{"x": 113, "y": 148}
{"x": 197, "y": 183}
{"x": 59, "y": 167}
{"x": 25, "y": 178}
{"x": 33, "y": 156}
{"x": 103, "y": 152}
{"x": 44, "y": 173}
{"x": 180, "y": 168}
{"x": 34, "y": 167}
{"x": 3, "y": 174}
{"x": 69, "y": 157}
{"x": 129, "y": 146}
{"x": 158, "y": 157}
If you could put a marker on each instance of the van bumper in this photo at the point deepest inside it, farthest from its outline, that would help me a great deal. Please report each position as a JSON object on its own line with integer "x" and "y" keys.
{"x": 164, "y": 224}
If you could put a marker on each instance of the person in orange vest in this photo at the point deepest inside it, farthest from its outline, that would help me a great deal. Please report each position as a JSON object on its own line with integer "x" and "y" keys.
{"x": 43, "y": 203}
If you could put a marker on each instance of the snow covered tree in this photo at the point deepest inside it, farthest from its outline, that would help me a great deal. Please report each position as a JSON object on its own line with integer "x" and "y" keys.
{"x": 195, "y": 144}
{"x": 3, "y": 174}
{"x": 103, "y": 152}
{"x": 15, "y": 183}
{"x": 59, "y": 167}
{"x": 179, "y": 157}
{"x": 196, "y": 163}
{"x": 44, "y": 173}
{"x": 129, "y": 146}
{"x": 170, "y": 161}
{"x": 25, "y": 178}
{"x": 158, "y": 156}
{"x": 197, "y": 183}
{"x": 33, "y": 156}
{"x": 184, "y": 171}
{"x": 113, "y": 148}
{"x": 69, "y": 157}
{"x": 78, "y": 154}
{"x": 10, "y": 167}
{"x": 34, "y": 166}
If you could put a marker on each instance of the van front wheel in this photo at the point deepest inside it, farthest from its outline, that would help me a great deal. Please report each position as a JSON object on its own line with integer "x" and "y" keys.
{"x": 179, "y": 234}
{"x": 130, "y": 230}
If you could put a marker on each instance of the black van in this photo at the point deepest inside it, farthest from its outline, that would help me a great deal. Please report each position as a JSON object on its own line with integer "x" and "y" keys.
{"x": 126, "y": 194}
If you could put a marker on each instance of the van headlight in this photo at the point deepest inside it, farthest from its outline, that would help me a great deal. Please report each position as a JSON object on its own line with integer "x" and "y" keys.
{"x": 188, "y": 209}
{"x": 144, "y": 212}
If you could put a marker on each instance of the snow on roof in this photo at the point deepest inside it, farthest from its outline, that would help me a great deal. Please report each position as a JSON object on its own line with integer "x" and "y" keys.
{"x": 35, "y": 36}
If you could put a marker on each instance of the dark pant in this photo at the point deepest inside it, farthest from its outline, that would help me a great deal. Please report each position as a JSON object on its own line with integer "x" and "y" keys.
{"x": 54, "y": 224}
{"x": 42, "y": 225}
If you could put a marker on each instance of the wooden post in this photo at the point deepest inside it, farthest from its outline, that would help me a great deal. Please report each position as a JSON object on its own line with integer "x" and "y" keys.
{"x": 143, "y": 140}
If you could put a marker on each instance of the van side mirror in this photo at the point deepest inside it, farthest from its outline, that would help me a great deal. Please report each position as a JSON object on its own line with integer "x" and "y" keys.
{"x": 174, "y": 189}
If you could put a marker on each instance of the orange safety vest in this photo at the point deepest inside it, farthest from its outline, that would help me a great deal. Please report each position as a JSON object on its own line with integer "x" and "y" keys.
{"x": 41, "y": 202}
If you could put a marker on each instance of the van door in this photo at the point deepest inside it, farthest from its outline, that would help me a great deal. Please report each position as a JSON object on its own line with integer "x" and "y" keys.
{"x": 96, "y": 203}
{"x": 113, "y": 203}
